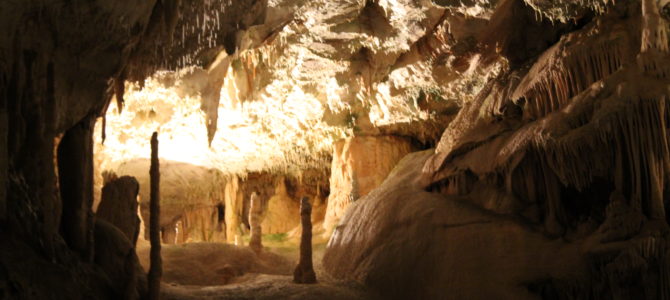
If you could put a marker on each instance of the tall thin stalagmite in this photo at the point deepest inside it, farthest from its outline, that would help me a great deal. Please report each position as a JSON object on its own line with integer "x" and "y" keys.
{"x": 304, "y": 271}
{"x": 255, "y": 214}
{"x": 155, "y": 270}
{"x": 4, "y": 164}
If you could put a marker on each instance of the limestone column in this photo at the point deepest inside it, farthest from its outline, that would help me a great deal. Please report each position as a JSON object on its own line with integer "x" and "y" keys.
{"x": 155, "y": 269}
{"x": 304, "y": 271}
{"x": 4, "y": 156}
{"x": 255, "y": 219}
{"x": 75, "y": 170}
{"x": 233, "y": 211}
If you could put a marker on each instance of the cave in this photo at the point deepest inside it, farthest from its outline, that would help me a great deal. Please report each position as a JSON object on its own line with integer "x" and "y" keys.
{"x": 335, "y": 149}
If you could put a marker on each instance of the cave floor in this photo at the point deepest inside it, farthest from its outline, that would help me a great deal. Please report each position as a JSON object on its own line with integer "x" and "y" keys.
{"x": 264, "y": 286}
{"x": 201, "y": 271}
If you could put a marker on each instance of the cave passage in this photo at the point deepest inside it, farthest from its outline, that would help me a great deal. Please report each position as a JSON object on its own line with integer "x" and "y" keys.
{"x": 335, "y": 149}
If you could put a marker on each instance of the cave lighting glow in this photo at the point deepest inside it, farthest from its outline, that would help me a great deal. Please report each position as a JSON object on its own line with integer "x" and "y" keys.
{"x": 279, "y": 129}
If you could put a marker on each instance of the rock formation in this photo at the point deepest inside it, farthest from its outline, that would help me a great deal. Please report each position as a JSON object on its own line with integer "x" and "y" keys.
{"x": 547, "y": 123}
{"x": 190, "y": 197}
{"x": 61, "y": 64}
{"x": 116, "y": 255}
{"x": 282, "y": 212}
{"x": 304, "y": 271}
{"x": 360, "y": 164}
{"x": 119, "y": 206}
{"x": 156, "y": 269}
{"x": 76, "y": 187}
{"x": 551, "y": 183}
{"x": 234, "y": 203}
{"x": 255, "y": 219}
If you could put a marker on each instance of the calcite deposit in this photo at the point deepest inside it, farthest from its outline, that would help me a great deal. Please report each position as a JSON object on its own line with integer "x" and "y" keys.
{"x": 119, "y": 206}
{"x": 452, "y": 149}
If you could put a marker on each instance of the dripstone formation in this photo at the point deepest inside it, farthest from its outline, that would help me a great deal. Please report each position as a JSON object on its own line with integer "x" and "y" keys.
{"x": 118, "y": 206}
{"x": 255, "y": 219}
{"x": 304, "y": 271}
{"x": 156, "y": 268}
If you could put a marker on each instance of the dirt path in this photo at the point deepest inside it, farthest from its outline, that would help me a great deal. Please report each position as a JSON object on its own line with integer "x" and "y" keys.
{"x": 223, "y": 271}
{"x": 268, "y": 287}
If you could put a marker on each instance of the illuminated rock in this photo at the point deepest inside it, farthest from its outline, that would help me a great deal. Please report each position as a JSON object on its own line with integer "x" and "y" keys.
{"x": 282, "y": 212}
{"x": 359, "y": 165}
{"x": 255, "y": 219}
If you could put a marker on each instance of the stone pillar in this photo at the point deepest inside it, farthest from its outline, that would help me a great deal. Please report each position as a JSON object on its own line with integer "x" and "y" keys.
{"x": 118, "y": 206}
{"x": 304, "y": 271}
{"x": 234, "y": 207}
{"x": 169, "y": 233}
{"x": 4, "y": 156}
{"x": 75, "y": 169}
{"x": 360, "y": 164}
{"x": 155, "y": 269}
{"x": 255, "y": 219}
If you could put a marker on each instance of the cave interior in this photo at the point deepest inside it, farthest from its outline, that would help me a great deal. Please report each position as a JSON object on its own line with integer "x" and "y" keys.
{"x": 335, "y": 149}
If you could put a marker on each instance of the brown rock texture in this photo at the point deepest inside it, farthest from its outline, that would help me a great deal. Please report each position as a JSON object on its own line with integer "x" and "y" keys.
{"x": 359, "y": 165}
{"x": 119, "y": 206}
{"x": 190, "y": 199}
{"x": 255, "y": 219}
{"x": 234, "y": 203}
{"x": 3, "y": 159}
{"x": 116, "y": 255}
{"x": 156, "y": 269}
{"x": 304, "y": 271}
{"x": 552, "y": 183}
{"x": 76, "y": 187}
{"x": 61, "y": 63}
{"x": 282, "y": 212}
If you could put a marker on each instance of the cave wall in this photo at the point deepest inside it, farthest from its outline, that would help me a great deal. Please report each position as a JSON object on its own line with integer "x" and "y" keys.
{"x": 360, "y": 164}
{"x": 75, "y": 174}
{"x": 550, "y": 184}
{"x": 203, "y": 204}
{"x": 49, "y": 86}
{"x": 3, "y": 158}
{"x": 61, "y": 63}
{"x": 281, "y": 213}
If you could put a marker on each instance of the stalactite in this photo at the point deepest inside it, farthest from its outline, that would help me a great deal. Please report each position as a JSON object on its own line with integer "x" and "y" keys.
{"x": 119, "y": 91}
{"x": 566, "y": 70}
{"x": 103, "y": 128}
{"x": 626, "y": 126}
{"x": 304, "y": 271}
{"x": 171, "y": 11}
{"x": 155, "y": 269}
{"x": 655, "y": 41}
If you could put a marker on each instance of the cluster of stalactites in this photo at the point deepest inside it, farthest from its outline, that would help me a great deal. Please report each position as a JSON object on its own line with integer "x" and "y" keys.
{"x": 655, "y": 42}
{"x": 569, "y": 70}
{"x": 630, "y": 150}
{"x": 574, "y": 132}
{"x": 566, "y": 10}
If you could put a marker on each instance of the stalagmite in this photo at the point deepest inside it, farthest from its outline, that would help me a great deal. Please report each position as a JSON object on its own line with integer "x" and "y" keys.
{"x": 118, "y": 206}
{"x": 155, "y": 270}
{"x": 304, "y": 271}
{"x": 255, "y": 215}
{"x": 3, "y": 158}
